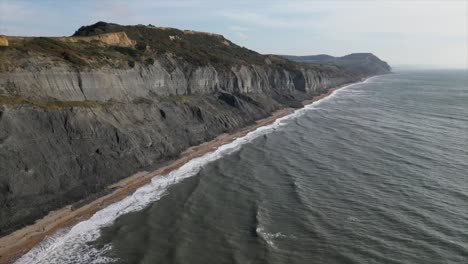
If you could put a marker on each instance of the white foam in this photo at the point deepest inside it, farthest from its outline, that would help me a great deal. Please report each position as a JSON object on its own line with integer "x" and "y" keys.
{"x": 270, "y": 238}
{"x": 71, "y": 245}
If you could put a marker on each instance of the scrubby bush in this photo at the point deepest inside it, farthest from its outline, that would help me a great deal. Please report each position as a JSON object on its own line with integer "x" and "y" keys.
{"x": 149, "y": 61}
{"x": 128, "y": 51}
{"x": 69, "y": 56}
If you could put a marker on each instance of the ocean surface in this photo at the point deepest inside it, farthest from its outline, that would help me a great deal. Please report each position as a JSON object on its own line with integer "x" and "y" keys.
{"x": 375, "y": 173}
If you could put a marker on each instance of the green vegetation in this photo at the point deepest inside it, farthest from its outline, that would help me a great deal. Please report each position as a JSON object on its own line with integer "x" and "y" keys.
{"x": 179, "y": 98}
{"x": 134, "y": 53}
{"x": 80, "y": 54}
{"x": 149, "y": 61}
{"x": 152, "y": 43}
{"x": 49, "y": 46}
{"x": 197, "y": 48}
{"x": 364, "y": 63}
{"x": 74, "y": 59}
{"x": 142, "y": 100}
{"x": 18, "y": 100}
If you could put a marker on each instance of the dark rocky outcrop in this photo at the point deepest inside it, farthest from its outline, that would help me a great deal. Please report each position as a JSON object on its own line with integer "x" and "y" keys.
{"x": 72, "y": 125}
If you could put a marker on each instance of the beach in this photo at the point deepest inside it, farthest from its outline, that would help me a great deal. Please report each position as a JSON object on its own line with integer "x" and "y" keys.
{"x": 21, "y": 241}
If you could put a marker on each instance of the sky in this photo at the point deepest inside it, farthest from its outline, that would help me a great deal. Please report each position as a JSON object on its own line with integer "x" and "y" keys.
{"x": 420, "y": 33}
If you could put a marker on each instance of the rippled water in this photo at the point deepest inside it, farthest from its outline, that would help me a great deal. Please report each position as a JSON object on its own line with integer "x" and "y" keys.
{"x": 377, "y": 173}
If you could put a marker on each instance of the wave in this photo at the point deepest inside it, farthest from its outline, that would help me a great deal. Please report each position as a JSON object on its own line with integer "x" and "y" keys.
{"x": 261, "y": 231}
{"x": 270, "y": 238}
{"x": 71, "y": 245}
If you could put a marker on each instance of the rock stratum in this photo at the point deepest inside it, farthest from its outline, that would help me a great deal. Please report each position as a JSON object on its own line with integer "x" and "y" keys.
{"x": 80, "y": 113}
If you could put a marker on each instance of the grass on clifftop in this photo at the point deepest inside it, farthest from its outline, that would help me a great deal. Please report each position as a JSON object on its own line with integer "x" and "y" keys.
{"x": 196, "y": 47}
{"x": 152, "y": 43}
{"x": 79, "y": 54}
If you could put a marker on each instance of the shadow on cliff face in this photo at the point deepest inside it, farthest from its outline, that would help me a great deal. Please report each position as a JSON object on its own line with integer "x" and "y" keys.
{"x": 229, "y": 99}
{"x": 55, "y": 156}
{"x": 299, "y": 82}
{"x": 66, "y": 155}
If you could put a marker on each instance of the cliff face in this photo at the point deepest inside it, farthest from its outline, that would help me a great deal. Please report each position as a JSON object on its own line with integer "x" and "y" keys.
{"x": 3, "y": 41}
{"x": 107, "y": 39}
{"x": 60, "y": 82}
{"x": 72, "y": 124}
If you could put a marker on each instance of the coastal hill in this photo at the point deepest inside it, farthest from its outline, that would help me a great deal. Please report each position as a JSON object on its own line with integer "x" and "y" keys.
{"x": 358, "y": 63}
{"x": 80, "y": 113}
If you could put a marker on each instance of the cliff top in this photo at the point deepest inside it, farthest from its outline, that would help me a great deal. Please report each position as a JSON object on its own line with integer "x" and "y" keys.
{"x": 105, "y": 39}
{"x": 118, "y": 46}
{"x": 364, "y": 63}
{"x": 121, "y": 46}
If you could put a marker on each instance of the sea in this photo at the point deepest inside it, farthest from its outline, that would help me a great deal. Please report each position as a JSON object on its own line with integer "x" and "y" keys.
{"x": 377, "y": 172}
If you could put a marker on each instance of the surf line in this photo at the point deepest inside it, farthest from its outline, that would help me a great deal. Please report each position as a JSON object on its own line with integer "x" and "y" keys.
{"x": 52, "y": 236}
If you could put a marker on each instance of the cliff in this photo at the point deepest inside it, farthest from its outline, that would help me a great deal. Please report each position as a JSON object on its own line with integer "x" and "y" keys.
{"x": 80, "y": 113}
{"x": 106, "y": 39}
{"x": 3, "y": 41}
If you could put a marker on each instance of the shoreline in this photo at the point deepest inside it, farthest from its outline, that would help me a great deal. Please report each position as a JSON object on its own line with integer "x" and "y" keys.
{"x": 19, "y": 242}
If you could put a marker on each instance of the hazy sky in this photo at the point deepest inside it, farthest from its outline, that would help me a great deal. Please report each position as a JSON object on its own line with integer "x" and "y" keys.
{"x": 401, "y": 32}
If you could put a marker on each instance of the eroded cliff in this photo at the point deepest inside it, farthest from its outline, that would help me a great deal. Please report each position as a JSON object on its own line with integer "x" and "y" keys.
{"x": 78, "y": 116}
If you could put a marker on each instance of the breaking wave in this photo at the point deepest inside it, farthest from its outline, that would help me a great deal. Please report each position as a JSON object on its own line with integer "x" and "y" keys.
{"x": 71, "y": 245}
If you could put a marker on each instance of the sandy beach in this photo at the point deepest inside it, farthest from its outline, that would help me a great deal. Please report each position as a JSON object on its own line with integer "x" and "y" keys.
{"x": 21, "y": 241}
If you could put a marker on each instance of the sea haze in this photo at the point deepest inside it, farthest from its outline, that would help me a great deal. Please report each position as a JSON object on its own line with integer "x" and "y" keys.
{"x": 376, "y": 173}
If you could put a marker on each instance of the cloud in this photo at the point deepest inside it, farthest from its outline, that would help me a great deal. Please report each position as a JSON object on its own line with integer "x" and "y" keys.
{"x": 240, "y": 32}
{"x": 416, "y": 18}
{"x": 238, "y": 28}
{"x": 14, "y": 12}
{"x": 401, "y": 31}
{"x": 16, "y": 17}
{"x": 416, "y": 31}
{"x": 255, "y": 19}
{"x": 121, "y": 10}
